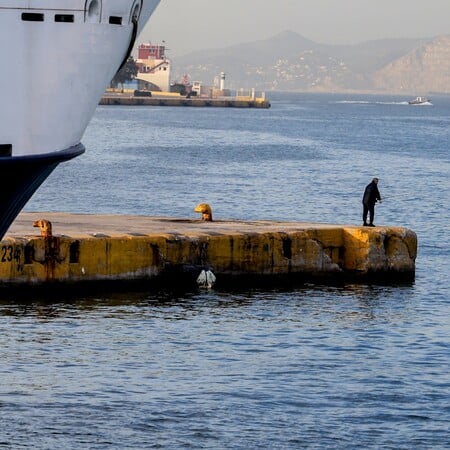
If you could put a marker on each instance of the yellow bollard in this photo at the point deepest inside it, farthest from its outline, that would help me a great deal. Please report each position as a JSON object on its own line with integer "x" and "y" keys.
{"x": 205, "y": 210}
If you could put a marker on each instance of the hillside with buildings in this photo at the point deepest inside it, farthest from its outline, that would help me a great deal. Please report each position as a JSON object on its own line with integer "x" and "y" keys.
{"x": 290, "y": 62}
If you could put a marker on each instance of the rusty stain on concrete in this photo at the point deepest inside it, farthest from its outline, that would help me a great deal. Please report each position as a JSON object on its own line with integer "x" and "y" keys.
{"x": 86, "y": 247}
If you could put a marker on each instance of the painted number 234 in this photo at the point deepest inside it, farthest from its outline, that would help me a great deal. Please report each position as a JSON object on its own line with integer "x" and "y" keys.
{"x": 8, "y": 253}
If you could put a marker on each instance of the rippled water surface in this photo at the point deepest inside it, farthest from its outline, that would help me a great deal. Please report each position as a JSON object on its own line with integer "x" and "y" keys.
{"x": 354, "y": 366}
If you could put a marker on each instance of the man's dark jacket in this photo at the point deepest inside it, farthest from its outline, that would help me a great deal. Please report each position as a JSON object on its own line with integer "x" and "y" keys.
{"x": 371, "y": 194}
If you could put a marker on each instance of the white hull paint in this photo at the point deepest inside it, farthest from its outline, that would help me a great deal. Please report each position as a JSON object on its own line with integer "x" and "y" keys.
{"x": 54, "y": 73}
{"x": 57, "y": 58}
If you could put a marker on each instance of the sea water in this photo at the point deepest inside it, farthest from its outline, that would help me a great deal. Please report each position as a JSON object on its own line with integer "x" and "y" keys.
{"x": 352, "y": 366}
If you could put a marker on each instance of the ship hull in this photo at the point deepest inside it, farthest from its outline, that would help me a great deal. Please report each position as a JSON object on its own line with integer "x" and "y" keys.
{"x": 22, "y": 176}
{"x": 55, "y": 72}
{"x": 59, "y": 56}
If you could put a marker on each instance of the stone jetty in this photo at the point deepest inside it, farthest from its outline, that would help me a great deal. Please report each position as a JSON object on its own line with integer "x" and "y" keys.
{"x": 165, "y": 100}
{"x": 64, "y": 248}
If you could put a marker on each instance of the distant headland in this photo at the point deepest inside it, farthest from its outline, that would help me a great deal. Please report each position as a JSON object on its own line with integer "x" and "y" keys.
{"x": 291, "y": 62}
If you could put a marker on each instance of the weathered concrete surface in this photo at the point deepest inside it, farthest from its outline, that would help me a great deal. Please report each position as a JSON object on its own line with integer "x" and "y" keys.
{"x": 129, "y": 100}
{"x": 111, "y": 247}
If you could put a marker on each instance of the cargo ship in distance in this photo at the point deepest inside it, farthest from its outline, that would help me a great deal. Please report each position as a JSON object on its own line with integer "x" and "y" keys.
{"x": 58, "y": 57}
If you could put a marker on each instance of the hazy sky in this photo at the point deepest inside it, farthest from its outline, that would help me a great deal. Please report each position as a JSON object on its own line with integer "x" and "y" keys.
{"x": 188, "y": 25}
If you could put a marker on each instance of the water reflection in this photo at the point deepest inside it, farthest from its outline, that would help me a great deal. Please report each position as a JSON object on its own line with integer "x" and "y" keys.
{"x": 156, "y": 361}
{"x": 346, "y": 302}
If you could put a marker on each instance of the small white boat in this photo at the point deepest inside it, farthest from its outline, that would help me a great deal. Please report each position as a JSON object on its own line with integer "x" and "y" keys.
{"x": 420, "y": 101}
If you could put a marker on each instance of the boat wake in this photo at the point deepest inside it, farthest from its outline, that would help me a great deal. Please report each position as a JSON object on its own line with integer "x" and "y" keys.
{"x": 368, "y": 102}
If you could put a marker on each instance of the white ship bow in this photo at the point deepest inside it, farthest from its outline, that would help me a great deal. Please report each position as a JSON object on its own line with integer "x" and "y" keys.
{"x": 58, "y": 57}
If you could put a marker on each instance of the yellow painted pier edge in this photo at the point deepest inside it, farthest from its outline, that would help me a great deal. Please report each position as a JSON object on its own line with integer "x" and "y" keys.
{"x": 232, "y": 102}
{"x": 174, "y": 251}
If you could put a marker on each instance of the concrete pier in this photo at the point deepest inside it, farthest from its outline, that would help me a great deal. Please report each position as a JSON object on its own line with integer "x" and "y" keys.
{"x": 83, "y": 248}
{"x": 155, "y": 100}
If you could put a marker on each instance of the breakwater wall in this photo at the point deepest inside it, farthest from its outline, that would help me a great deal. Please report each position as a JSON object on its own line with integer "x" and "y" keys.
{"x": 222, "y": 102}
{"x": 92, "y": 248}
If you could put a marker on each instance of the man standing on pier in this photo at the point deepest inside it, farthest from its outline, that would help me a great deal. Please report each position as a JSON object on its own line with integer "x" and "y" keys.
{"x": 370, "y": 197}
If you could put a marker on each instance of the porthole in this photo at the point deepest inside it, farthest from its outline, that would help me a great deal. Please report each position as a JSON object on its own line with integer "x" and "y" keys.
{"x": 115, "y": 20}
{"x": 93, "y": 11}
{"x": 67, "y": 18}
{"x": 32, "y": 17}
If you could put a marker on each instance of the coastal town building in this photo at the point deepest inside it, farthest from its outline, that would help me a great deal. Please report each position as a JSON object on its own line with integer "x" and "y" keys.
{"x": 153, "y": 68}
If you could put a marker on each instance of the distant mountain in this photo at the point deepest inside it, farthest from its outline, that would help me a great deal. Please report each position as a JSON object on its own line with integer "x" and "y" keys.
{"x": 289, "y": 61}
{"x": 424, "y": 69}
